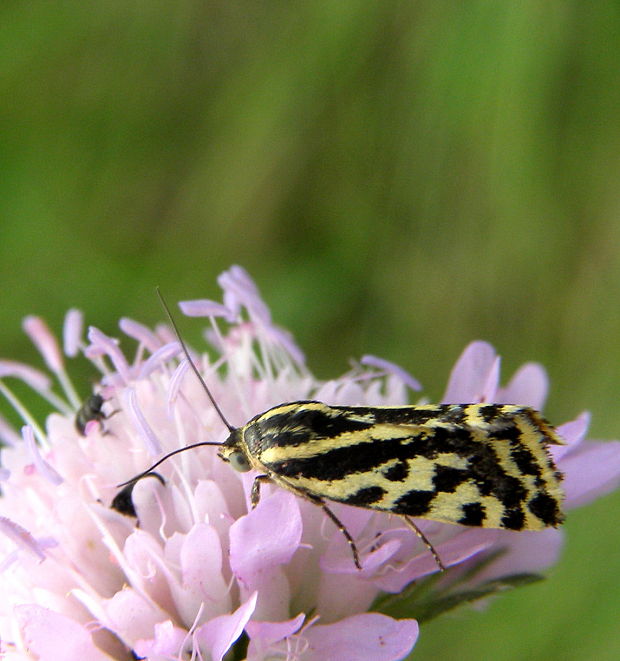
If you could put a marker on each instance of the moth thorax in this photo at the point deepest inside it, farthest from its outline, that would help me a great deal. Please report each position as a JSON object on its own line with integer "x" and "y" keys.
{"x": 252, "y": 439}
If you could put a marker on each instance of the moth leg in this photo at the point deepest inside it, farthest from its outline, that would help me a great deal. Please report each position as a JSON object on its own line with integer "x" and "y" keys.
{"x": 343, "y": 530}
{"x": 410, "y": 524}
{"x": 255, "y": 493}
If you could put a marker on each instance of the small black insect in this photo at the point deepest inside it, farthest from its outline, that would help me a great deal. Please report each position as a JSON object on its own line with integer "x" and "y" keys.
{"x": 90, "y": 410}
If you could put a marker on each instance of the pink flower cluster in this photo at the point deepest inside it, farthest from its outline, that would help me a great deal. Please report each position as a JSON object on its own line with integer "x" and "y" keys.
{"x": 197, "y": 573}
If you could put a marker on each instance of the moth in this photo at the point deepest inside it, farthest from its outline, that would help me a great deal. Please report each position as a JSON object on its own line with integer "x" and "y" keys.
{"x": 483, "y": 465}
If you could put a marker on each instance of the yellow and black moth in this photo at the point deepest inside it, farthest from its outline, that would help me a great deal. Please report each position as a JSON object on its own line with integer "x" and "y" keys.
{"x": 483, "y": 465}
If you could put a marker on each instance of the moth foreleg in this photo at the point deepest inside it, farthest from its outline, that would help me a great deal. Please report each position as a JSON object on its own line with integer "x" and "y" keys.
{"x": 255, "y": 493}
{"x": 410, "y": 524}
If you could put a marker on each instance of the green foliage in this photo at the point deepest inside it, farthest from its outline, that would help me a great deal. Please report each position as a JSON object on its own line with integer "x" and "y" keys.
{"x": 424, "y": 609}
{"x": 399, "y": 177}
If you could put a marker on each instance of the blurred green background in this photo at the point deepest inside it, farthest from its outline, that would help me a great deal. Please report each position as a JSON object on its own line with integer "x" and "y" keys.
{"x": 399, "y": 177}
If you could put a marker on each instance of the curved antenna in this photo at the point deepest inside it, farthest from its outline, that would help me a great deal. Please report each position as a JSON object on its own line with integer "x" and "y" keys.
{"x": 166, "y": 456}
{"x": 196, "y": 372}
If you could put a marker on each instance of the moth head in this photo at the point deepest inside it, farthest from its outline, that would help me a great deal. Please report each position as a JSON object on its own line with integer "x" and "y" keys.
{"x": 231, "y": 451}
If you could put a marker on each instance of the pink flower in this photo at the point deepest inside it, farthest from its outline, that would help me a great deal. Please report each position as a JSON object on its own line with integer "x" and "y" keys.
{"x": 182, "y": 567}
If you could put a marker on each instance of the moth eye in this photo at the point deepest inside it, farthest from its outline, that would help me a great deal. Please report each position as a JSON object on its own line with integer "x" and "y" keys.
{"x": 239, "y": 462}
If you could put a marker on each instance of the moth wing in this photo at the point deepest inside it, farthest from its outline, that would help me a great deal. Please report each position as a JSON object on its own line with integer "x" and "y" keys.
{"x": 478, "y": 465}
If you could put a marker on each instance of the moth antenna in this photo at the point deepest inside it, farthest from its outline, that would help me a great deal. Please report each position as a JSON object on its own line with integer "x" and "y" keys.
{"x": 191, "y": 362}
{"x": 166, "y": 456}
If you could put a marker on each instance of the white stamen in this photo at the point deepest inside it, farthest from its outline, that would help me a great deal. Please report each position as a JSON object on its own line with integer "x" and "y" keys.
{"x": 205, "y": 308}
{"x": 175, "y": 382}
{"x": 38, "y": 381}
{"x": 33, "y": 377}
{"x": 72, "y": 332}
{"x": 109, "y": 346}
{"x": 159, "y": 357}
{"x": 141, "y": 333}
{"x": 44, "y": 341}
{"x": 392, "y": 368}
{"x": 25, "y": 414}
{"x": 151, "y": 441}
{"x": 21, "y": 537}
{"x": 43, "y": 468}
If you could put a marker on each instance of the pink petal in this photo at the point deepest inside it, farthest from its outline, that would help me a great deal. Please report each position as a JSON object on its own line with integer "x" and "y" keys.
{"x": 342, "y": 595}
{"x": 52, "y": 636}
{"x": 132, "y": 616}
{"x": 260, "y": 543}
{"x": 266, "y": 537}
{"x": 573, "y": 432}
{"x": 491, "y": 383}
{"x": 591, "y": 470}
{"x": 265, "y": 634}
{"x": 201, "y": 556}
{"x": 343, "y": 564}
{"x": 527, "y": 387}
{"x": 525, "y": 552}
{"x": 471, "y": 377}
{"x": 464, "y": 545}
{"x": 167, "y": 642}
{"x": 337, "y": 557}
{"x": 211, "y": 505}
{"x": 221, "y": 632}
{"x": 364, "y": 637}
{"x": 203, "y": 583}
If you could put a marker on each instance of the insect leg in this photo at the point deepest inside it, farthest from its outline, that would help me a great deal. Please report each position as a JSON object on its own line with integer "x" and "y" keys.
{"x": 255, "y": 493}
{"x": 422, "y": 536}
{"x": 343, "y": 530}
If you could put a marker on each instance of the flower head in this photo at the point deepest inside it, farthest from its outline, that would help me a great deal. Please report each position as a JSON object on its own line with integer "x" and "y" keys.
{"x": 181, "y": 567}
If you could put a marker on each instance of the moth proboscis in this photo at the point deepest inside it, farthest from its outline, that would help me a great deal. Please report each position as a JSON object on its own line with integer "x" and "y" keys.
{"x": 479, "y": 464}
